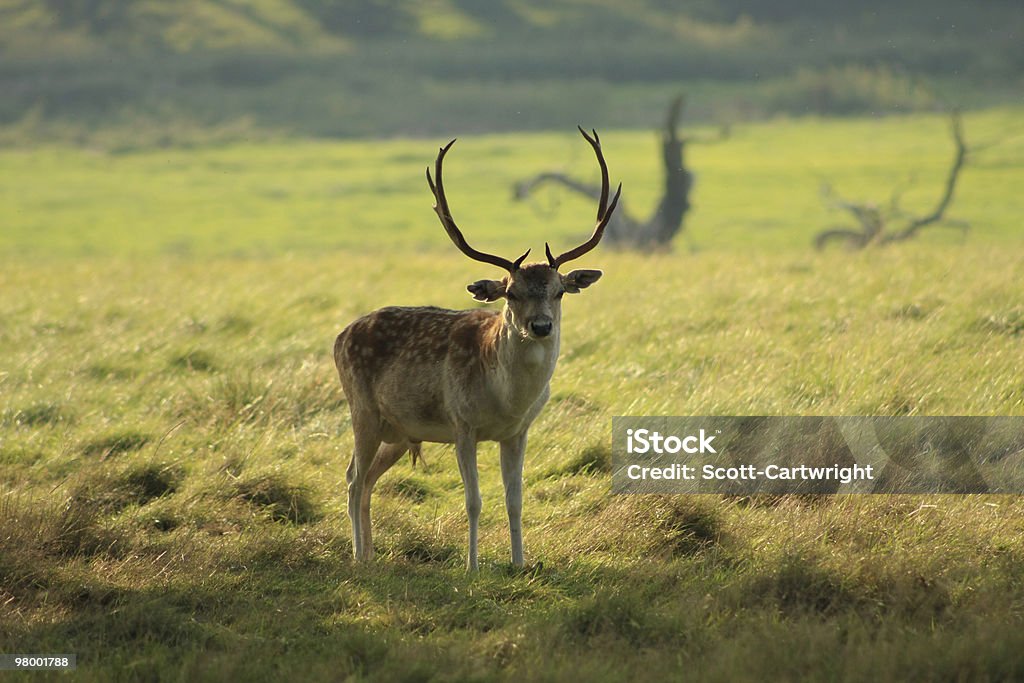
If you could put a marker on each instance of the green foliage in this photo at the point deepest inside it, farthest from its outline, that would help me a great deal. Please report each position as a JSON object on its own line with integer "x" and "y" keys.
{"x": 126, "y": 75}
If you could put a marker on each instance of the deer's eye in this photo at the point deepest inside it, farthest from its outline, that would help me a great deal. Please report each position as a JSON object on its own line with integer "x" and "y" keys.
{"x": 511, "y": 297}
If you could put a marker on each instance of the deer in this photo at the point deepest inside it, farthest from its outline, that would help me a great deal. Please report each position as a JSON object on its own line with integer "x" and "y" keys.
{"x": 415, "y": 374}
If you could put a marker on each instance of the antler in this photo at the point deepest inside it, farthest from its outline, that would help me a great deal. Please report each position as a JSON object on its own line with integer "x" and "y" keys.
{"x": 445, "y": 214}
{"x": 604, "y": 209}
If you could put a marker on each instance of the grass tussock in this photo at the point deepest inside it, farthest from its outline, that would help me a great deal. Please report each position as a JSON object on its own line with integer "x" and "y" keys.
{"x": 19, "y": 455}
{"x": 642, "y": 525}
{"x": 1010, "y": 323}
{"x": 36, "y": 535}
{"x": 594, "y": 459}
{"x": 79, "y": 525}
{"x": 292, "y": 399}
{"x": 115, "y": 443}
{"x": 229, "y": 400}
{"x": 38, "y": 415}
{"x": 106, "y": 371}
{"x": 137, "y": 485}
{"x": 799, "y": 582}
{"x": 80, "y": 531}
{"x": 234, "y": 324}
{"x": 278, "y": 497}
{"x": 164, "y": 518}
{"x": 22, "y": 530}
{"x": 412, "y": 541}
{"x": 412, "y": 489}
{"x": 195, "y": 360}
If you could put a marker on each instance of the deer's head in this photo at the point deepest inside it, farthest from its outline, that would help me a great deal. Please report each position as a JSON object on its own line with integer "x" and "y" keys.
{"x": 532, "y": 292}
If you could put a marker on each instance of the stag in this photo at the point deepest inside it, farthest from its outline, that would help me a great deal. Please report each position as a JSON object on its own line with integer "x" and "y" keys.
{"x": 415, "y": 374}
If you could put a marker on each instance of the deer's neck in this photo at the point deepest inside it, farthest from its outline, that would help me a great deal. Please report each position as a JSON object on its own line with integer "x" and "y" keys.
{"x": 524, "y": 364}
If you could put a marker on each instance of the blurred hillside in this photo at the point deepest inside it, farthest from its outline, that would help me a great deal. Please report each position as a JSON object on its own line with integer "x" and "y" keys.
{"x": 139, "y": 72}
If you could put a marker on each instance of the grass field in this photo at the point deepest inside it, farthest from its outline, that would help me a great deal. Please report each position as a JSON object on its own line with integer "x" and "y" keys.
{"x": 173, "y": 440}
{"x": 757, "y": 191}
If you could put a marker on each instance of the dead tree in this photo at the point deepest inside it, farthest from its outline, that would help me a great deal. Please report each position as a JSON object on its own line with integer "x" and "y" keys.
{"x": 624, "y": 231}
{"x": 878, "y": 225}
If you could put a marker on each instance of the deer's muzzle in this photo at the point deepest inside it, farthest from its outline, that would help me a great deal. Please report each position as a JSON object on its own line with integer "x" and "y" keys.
{"x": 541, "y": 327}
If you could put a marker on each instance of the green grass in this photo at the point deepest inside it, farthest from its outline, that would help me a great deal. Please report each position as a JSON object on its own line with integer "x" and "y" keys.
{"x": 173, "y": 439}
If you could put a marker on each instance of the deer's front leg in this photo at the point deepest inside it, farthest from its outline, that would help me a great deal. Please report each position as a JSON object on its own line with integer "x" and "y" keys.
{"x": 465, "y": 452}
{"x": 513, "y": 452}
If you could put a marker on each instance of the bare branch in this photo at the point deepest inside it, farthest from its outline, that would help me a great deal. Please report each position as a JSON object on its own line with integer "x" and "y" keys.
{"x": 874, "y": 221}
{"x": 947, "y": 196}
{"x": 523, "y": 189}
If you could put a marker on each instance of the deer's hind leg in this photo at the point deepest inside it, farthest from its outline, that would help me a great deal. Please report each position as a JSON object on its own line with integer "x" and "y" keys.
{"x": 387, "y": 455}
{"x": 366, "y": 430}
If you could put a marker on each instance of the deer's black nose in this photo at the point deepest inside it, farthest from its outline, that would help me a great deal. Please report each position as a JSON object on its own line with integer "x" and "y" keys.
{"x": 541, "y": 328}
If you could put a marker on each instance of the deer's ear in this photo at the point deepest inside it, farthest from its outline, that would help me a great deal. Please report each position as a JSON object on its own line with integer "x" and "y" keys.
{"x": 580, "y": 279}
{"x": 487, "y": 290}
